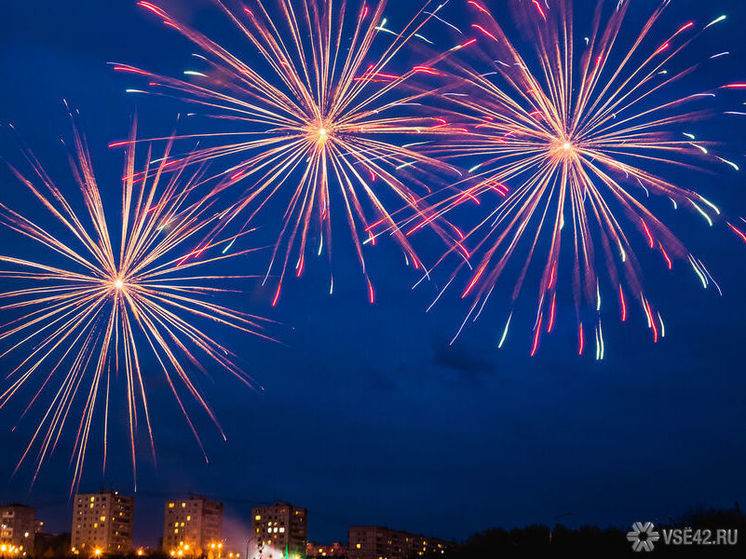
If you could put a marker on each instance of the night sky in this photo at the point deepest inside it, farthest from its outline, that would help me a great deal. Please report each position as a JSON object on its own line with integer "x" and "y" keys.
{"x": 367, "y": 415}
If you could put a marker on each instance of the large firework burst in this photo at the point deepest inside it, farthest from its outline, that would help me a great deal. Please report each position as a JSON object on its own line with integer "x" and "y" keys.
{"x": 318, "y": 115}
{"x": 87, "y": 310}
{"x": 584, "y": 134}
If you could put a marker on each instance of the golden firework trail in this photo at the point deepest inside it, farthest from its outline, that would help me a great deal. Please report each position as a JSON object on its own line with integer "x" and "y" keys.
{"x": 84, "y": 316}
{"x": 318, "y": 116}
{"x": 584, "y": 133}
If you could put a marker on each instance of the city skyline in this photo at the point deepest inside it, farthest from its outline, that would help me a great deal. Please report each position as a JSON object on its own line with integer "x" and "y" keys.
{"x": 102, "y": 524}
{"x": 279, "y": 531}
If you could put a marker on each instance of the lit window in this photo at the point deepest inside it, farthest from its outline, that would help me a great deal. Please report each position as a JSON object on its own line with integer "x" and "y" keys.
{"x": 357, "y": 545}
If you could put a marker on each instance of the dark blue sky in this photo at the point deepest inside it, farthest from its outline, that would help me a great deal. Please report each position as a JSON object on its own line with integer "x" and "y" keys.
{"x": 368, "y": 416}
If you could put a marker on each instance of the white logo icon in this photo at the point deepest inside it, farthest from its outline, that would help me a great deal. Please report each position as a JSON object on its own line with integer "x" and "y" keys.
{"x": 643, "y": 536}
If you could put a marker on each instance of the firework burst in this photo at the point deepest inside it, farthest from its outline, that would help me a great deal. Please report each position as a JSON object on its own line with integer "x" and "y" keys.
{"x": 323, "y": 122}
{"x": 585, "y": 133}
{"x": 85, "y": 315}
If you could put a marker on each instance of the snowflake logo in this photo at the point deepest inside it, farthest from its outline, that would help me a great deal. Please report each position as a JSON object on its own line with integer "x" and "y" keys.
{"x": 643, "y": 536}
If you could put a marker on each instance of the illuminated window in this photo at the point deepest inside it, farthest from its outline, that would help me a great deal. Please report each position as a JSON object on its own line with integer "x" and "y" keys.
{"x": 170, "y": 505}
{"x": 357, "y": 545}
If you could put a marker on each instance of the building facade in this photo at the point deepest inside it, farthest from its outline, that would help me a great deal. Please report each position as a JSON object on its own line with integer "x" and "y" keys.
{"x": 17, "y": 529}
{"x": 377, "y": 542}
{"x": 316, "y": 551}
{"x": 192, "y": 526}
{"x": 278, "y": 531}
{"x": 102, "y": 523}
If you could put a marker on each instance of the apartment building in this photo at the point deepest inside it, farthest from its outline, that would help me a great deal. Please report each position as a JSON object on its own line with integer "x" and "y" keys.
{"x": 102, "y": 523}
{"x": 378, "y": 542}
{"x": 192, "y": 526}
{"x": 278, "y": 531}
{"x": 17, "y": 529}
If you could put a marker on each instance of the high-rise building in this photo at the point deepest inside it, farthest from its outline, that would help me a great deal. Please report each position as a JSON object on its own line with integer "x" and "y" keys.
{"x": 191, "y": 526}
{"x": 102, "y": 523}
{"x": 17, "y": 529}
{"x": 377, "y": 542}
{"x": 278, "y": 531}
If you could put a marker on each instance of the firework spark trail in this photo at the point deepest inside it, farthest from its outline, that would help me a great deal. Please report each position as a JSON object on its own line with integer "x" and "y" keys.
{"x": 319, "y": 115}
{"x": 579, "y": 132}
{"x": 101, "y": 307}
